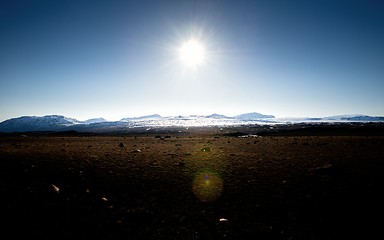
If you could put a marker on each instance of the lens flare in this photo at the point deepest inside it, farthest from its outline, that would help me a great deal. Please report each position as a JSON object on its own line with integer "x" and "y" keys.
{"x": 207, "y": 186}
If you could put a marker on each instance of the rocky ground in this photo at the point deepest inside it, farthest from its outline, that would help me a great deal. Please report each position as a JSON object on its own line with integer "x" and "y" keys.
{"x": 204, "y": 183}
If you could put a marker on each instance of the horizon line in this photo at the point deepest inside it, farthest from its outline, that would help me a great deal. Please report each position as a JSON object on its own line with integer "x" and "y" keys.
{"x": 201, "y": 115}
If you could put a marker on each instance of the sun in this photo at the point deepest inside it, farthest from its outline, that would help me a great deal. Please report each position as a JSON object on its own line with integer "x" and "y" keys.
{"x": 192, "y": 53}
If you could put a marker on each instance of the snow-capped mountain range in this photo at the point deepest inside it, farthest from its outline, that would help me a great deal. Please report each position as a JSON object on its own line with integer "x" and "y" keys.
{"x": 62, "y": 123}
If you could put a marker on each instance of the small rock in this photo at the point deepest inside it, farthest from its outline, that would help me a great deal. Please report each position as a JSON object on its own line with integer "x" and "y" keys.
{"x": 181, "y": 164}
{"x": 205, "y": 149}
{"x": 324, "y": 169}
{"x": 55, "y": 188}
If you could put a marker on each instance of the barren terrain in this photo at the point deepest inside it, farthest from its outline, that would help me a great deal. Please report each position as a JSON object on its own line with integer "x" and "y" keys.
{"x": 243, "y": 183}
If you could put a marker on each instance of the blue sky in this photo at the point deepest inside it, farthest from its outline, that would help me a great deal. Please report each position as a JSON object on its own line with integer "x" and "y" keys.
{"x": 115, "y": 59}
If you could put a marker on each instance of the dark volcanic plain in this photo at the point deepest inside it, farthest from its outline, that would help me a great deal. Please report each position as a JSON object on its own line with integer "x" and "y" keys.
{"x": 249, "y": 182}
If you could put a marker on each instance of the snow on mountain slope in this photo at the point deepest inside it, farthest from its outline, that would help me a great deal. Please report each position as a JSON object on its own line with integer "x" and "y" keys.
{"x": 148, "y": 117}
{"x": 252, "y": 116}
{"x": 61, "y": 123}
{"x": 33, "y": 123}
{"x": 218, "y": 116}
{"x": 354, "y": 117}
{"x": 94, "y": 120}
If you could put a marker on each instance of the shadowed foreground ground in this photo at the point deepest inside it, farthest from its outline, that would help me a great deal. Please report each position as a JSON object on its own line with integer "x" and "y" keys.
{"x": 191, "y": 184}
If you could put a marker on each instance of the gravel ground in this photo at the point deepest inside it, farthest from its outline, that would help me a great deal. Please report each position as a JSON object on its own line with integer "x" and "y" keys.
{"x": 197, "y": 184}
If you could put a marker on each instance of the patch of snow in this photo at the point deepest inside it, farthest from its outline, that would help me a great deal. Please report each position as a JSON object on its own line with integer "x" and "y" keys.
{"x": 94, "y": 120}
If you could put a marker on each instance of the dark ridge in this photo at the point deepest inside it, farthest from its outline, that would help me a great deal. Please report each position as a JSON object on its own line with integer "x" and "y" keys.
{"x": 368, "y": 129}
{"x": 73, "y": 133}
{"x": 49, "y": 133}
{"x": 235, "y": 134}
{"x": 302, "y": 129}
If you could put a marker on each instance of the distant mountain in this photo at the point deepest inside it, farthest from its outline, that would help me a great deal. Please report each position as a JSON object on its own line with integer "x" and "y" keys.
{"x": 32, "y": 123}
{"x": 61, "y": 123}
{"x": 355, "y": 118}
{"x": 94, "y": 120}
{"x": 147, "y": 117}
{"x": 252, "y": 116}
{"x": 218, "y": 116}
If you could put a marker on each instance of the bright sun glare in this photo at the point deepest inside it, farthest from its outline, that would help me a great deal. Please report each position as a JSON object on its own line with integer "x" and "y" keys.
{"x": 192, "y": 53}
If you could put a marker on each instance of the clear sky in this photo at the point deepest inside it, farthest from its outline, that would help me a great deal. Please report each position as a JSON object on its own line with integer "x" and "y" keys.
{"x": 115, "y": 59}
